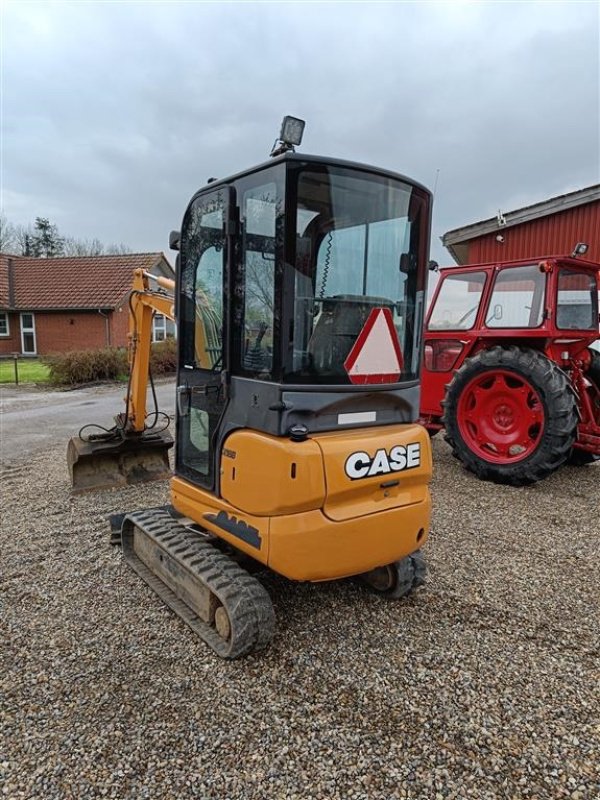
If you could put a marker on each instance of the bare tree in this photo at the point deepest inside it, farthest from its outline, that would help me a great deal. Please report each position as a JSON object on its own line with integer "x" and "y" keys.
{"x": 17, "y": 239}
{"x": 45, "y": 241}
{"x": 8, "y": 241}
{"x": 93, "y": 247}
{"x": 117, "y": 249}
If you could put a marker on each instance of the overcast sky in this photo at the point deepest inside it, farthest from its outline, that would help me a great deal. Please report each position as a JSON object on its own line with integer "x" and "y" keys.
{"x": 114, "y": 113}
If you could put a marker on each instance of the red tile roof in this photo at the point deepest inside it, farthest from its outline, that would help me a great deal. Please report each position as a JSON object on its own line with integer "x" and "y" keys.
{"x": 70, "y": 283}
{"x": 3, "y": 280}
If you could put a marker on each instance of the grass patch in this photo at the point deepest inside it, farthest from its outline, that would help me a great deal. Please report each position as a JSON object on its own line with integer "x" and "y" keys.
{"x": 30, "y": 370}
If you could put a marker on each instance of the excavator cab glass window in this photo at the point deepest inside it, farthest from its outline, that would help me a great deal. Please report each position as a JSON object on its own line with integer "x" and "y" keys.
{"x": 256, "y": 288}
{"x": 202, "y": 327}
{"x": 259, "y": 221}
{"x": 358, "y": 240}
{"x": 202, "y": 283}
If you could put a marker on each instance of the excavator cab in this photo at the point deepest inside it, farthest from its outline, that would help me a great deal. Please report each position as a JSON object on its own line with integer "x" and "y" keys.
{"x": 279, "y": 270}
{"x": 299, "y": 302}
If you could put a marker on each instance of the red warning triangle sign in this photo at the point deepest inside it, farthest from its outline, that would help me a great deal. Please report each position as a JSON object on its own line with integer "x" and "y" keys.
{"x": 376, "y": 356}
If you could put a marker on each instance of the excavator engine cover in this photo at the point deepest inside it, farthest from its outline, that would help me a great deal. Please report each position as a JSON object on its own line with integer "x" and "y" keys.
{"x": 102, "y": 464}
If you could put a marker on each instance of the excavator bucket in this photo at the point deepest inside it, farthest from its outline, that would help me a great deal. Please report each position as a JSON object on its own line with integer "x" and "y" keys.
{"x": 105, "y": 464}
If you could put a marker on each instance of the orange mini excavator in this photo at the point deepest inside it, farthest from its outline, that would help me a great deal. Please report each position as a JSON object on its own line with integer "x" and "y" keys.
{"x": 299, "y": 302}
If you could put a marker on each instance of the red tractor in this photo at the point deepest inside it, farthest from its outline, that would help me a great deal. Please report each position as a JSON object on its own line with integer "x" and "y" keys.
{"x": 509, "y": 370}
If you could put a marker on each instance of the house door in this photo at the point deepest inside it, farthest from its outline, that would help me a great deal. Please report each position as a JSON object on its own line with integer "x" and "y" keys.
{"x": 28, "y": 343}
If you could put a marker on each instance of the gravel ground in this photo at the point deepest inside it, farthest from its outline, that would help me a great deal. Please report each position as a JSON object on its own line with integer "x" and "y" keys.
{"x": 483, "y": 684}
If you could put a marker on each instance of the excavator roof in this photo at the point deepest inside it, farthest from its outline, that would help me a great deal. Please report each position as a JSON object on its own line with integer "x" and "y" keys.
{"x": 302, "y": 157}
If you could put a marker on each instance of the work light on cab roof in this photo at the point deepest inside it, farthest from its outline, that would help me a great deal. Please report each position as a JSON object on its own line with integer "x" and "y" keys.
{"x": 292, "y": 130}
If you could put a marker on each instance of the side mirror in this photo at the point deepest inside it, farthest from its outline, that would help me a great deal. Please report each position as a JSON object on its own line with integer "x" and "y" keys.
{"x": 433, "y": 266}
{"x": 174, "y": 238}
{"x": 498, "y": 311}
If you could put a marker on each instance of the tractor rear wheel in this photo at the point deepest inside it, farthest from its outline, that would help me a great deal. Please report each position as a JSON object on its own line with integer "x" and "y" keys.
{"x": 580, "y": 458}
{"x": 510, "y": 415}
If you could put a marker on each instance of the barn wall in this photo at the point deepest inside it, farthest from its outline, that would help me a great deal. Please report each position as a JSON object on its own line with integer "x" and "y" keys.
{"x": 556, "y": 234}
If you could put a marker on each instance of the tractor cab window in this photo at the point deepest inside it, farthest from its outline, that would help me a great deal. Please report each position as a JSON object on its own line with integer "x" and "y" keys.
{"x": 457, "y": 302}
{"x": 518, "y": 298}
{"x": 357, "y": 245}
{"x": 577, "y": 300}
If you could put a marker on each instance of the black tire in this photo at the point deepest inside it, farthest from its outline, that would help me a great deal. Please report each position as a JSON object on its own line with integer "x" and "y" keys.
{"x": 579, "y": 458}
{"x": 398, "y": 579}
{"x": 554, "y": 434}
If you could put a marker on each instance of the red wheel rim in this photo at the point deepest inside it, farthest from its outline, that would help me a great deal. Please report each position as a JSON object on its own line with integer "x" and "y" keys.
{"x": 500, "y": 417}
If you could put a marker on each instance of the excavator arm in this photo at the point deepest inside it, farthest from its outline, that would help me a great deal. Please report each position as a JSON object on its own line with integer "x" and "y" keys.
{"x": 143, "y": 304}
{"x": 132, "y": 451}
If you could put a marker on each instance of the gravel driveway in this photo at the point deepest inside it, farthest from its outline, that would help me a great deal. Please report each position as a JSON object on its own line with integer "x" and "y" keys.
{"x": 484, "y": 684}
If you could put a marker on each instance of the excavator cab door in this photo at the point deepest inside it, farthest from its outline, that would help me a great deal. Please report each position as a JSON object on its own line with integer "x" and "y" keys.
{"x": 203, "y": 332}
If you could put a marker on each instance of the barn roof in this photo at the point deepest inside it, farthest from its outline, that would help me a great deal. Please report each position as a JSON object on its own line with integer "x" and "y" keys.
{"x": 508, "y": 219}
{"x": 76, "y": 282}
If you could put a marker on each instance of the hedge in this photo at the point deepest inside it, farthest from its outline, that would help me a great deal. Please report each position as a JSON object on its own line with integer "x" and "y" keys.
{"x": 107, "y": 364}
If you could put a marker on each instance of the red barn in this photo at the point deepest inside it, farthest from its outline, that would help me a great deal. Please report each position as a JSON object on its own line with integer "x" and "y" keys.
{"x": 50, "y": 305}
{"x": 552, "y": 227}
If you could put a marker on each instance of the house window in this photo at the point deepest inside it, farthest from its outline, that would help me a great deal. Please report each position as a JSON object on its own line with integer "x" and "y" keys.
{"x": 159, "y": 328}
{"x": 28, "y": 343}
{"x": 4, "y": 326}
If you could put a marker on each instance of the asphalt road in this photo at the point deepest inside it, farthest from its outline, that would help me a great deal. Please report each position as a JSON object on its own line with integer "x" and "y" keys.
{"x": 32, "y": 420}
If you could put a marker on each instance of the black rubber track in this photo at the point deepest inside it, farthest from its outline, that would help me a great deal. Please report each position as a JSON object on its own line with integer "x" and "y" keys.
{"x": 580, "y": 458}
{"x": 560, "y": 414}
{"x": 409, "y": 574}
{"x": 246, "y": 601}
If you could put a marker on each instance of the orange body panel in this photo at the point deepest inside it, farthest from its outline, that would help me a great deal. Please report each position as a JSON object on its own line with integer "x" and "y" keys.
{"x": 348, "y": 498}
{"x": 310, "y": 547}
{"x": 204, "y": 508}
{"x": 360, "y": 499}
{"x": 269, "y": 476}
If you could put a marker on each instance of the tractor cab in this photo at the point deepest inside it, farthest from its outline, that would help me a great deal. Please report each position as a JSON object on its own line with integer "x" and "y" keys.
{"x": 549, "y": 304}
{"x": 281, "y": 270}
{"x": 509, "y": 370}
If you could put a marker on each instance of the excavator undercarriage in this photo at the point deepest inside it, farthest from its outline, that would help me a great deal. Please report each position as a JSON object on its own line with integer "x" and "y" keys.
{"x": 221, "y": 602}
